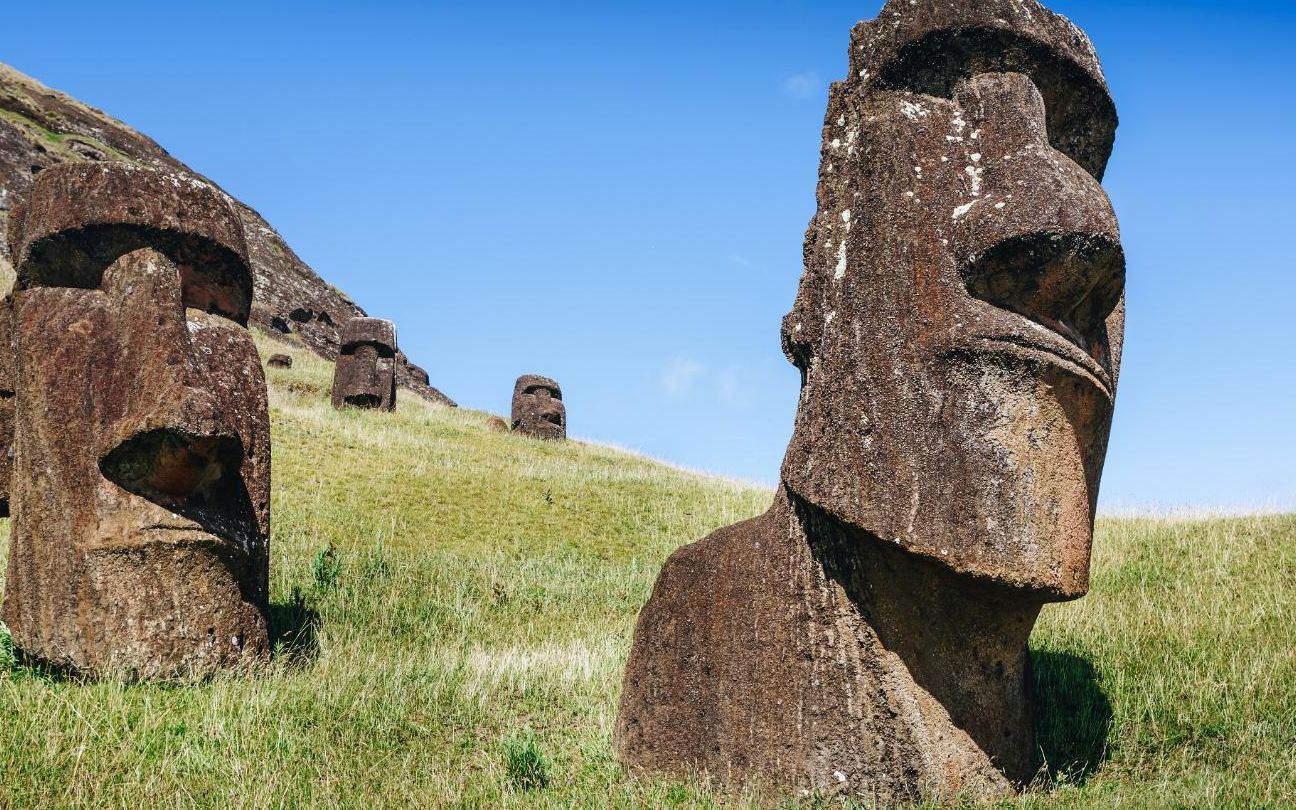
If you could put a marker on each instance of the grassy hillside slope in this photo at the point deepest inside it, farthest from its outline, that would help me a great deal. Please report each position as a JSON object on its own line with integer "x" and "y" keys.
{"x": 456, "y": 605}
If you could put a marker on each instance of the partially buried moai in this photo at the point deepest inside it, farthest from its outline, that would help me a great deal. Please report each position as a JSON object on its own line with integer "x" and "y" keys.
{"x": 538, "y": 409}
{"x": 141, "y": 475}
{"x": 365, "y": 374}
{"x": 958, "y": 330}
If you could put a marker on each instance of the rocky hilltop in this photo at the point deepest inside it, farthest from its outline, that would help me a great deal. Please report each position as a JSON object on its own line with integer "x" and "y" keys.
{"x": 40, "y": 127}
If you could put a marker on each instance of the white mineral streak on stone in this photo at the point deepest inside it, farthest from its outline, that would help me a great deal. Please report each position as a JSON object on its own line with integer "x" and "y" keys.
{"x": 963, "y": 209}
{"x": 836, "y": 142}
{"x": 913, "y": 110}
{"x": 840, "y": 272}
{"x": 975, "y": 174}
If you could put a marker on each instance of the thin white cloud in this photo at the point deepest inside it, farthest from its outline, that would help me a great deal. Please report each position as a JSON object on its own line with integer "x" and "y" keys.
{"x": 739, "y": 260}
{"x": 801, "y": 85}
{"x": 680, "y": 376}
{"x": 732, "y": 390}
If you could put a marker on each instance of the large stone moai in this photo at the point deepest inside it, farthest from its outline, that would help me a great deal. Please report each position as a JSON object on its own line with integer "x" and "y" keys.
{"x": 958, "y": 330}
{"x": 365, "y": 374}
{"x": 141, "y": 471}
{"x": 538, "y": 409}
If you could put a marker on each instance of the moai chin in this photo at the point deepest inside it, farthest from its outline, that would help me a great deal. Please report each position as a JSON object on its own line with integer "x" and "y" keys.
{"x": 141, "y": 474}
{"x": 538, "y": 409}
{"x": 958, "y": 330}
{"x": 365, "y": 374}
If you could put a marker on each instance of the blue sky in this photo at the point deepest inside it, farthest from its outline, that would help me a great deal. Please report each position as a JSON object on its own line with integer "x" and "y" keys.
{"x": 615, "y": 195}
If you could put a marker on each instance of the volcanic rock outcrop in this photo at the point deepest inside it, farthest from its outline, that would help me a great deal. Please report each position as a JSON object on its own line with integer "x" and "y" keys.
{"x": 538, "y": 409}
{"x": 958, "y": 329}
{"x": 141, "y": 479}
{"x": 364, "y": 376}
{"x": 40, "y": 128}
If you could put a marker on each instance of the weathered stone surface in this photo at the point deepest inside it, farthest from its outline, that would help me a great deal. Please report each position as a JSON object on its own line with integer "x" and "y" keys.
{"x": 280, "y": 361}
{"x": 497, "y": 425}
{"x": 141, "y": 480}
{"x": 538, "y": 409}
{"x": 40, "y": 128}
{"x": 958, "y": 329}
{"x": 6, "y": 402}
{"x": 364, "y": 376}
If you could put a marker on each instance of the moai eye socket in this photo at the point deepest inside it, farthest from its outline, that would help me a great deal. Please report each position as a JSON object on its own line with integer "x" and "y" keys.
{"x": 544, "y": 392}
{"x": 213, "y": 278}
{"x": 1081, "y": 116}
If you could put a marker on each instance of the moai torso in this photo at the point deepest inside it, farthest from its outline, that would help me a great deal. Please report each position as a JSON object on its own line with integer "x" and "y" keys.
{"x": 958, "y": 329}
{"x": 538, "y": 409}
{"x": 365, "y": 374}
{"x": 141, "y": 479}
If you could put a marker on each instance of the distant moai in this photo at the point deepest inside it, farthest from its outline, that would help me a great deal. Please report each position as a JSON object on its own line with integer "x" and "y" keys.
{"x": 141, "y": 475}
{"x": 280, "y": 361}
{"x": 365, "y": 374}
{"x": 958, "y": 330}
{"x": 538, "y": 409}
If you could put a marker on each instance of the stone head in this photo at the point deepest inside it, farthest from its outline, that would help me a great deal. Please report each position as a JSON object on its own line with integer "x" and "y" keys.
{"x": 538, "y": 408}
{"x": 365, "y": 374}
{"x": 959, "y": 322}
{"x": 141, "y": 482}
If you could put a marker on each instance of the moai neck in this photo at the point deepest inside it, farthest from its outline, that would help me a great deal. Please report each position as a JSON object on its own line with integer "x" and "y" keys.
{"x": 962, "y": 643}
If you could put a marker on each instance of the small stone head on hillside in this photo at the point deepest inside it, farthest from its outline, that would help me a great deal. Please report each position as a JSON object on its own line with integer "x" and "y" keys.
{"x": 365, "y": 374}
{"x": 959, "y": 323}
{"x": 141, "y": 483}
{"x": 538, "y": 409}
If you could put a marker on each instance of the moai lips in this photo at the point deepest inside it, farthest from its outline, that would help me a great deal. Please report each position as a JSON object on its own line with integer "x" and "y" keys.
{"x": 141, "y": 478}
{"x": 958, "y": 328}
{"x": 365, "y": 374}
{"x": 538, "y": 409}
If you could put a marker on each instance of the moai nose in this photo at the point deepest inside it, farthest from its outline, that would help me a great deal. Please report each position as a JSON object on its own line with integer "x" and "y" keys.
{"x": 1041, "y": 237}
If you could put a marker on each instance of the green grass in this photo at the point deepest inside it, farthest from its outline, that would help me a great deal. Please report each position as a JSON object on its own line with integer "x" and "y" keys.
{"x": 457, "y": 606}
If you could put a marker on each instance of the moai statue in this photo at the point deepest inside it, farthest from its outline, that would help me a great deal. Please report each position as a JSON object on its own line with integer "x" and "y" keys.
{"x": 538, "y": 409}
{"x": 280, "y": 361}
{"x": 958, "y": 330}
{"x": 141, "y": 473}
{"x": 365, "y": 374}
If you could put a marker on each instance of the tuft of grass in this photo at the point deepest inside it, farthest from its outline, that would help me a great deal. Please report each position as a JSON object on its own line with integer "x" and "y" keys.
{"x": 467, "y": 607}
{"x": 326, "y": 568}
{"x": 524, "y": 763}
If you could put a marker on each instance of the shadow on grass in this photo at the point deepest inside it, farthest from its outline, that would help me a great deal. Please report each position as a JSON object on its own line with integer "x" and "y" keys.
{"x": 1072, "y": 716}
{"x": 293, "y": 626}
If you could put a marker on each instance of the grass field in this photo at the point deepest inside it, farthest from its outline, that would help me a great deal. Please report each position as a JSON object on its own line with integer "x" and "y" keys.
{"x": 455, "y": 607}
